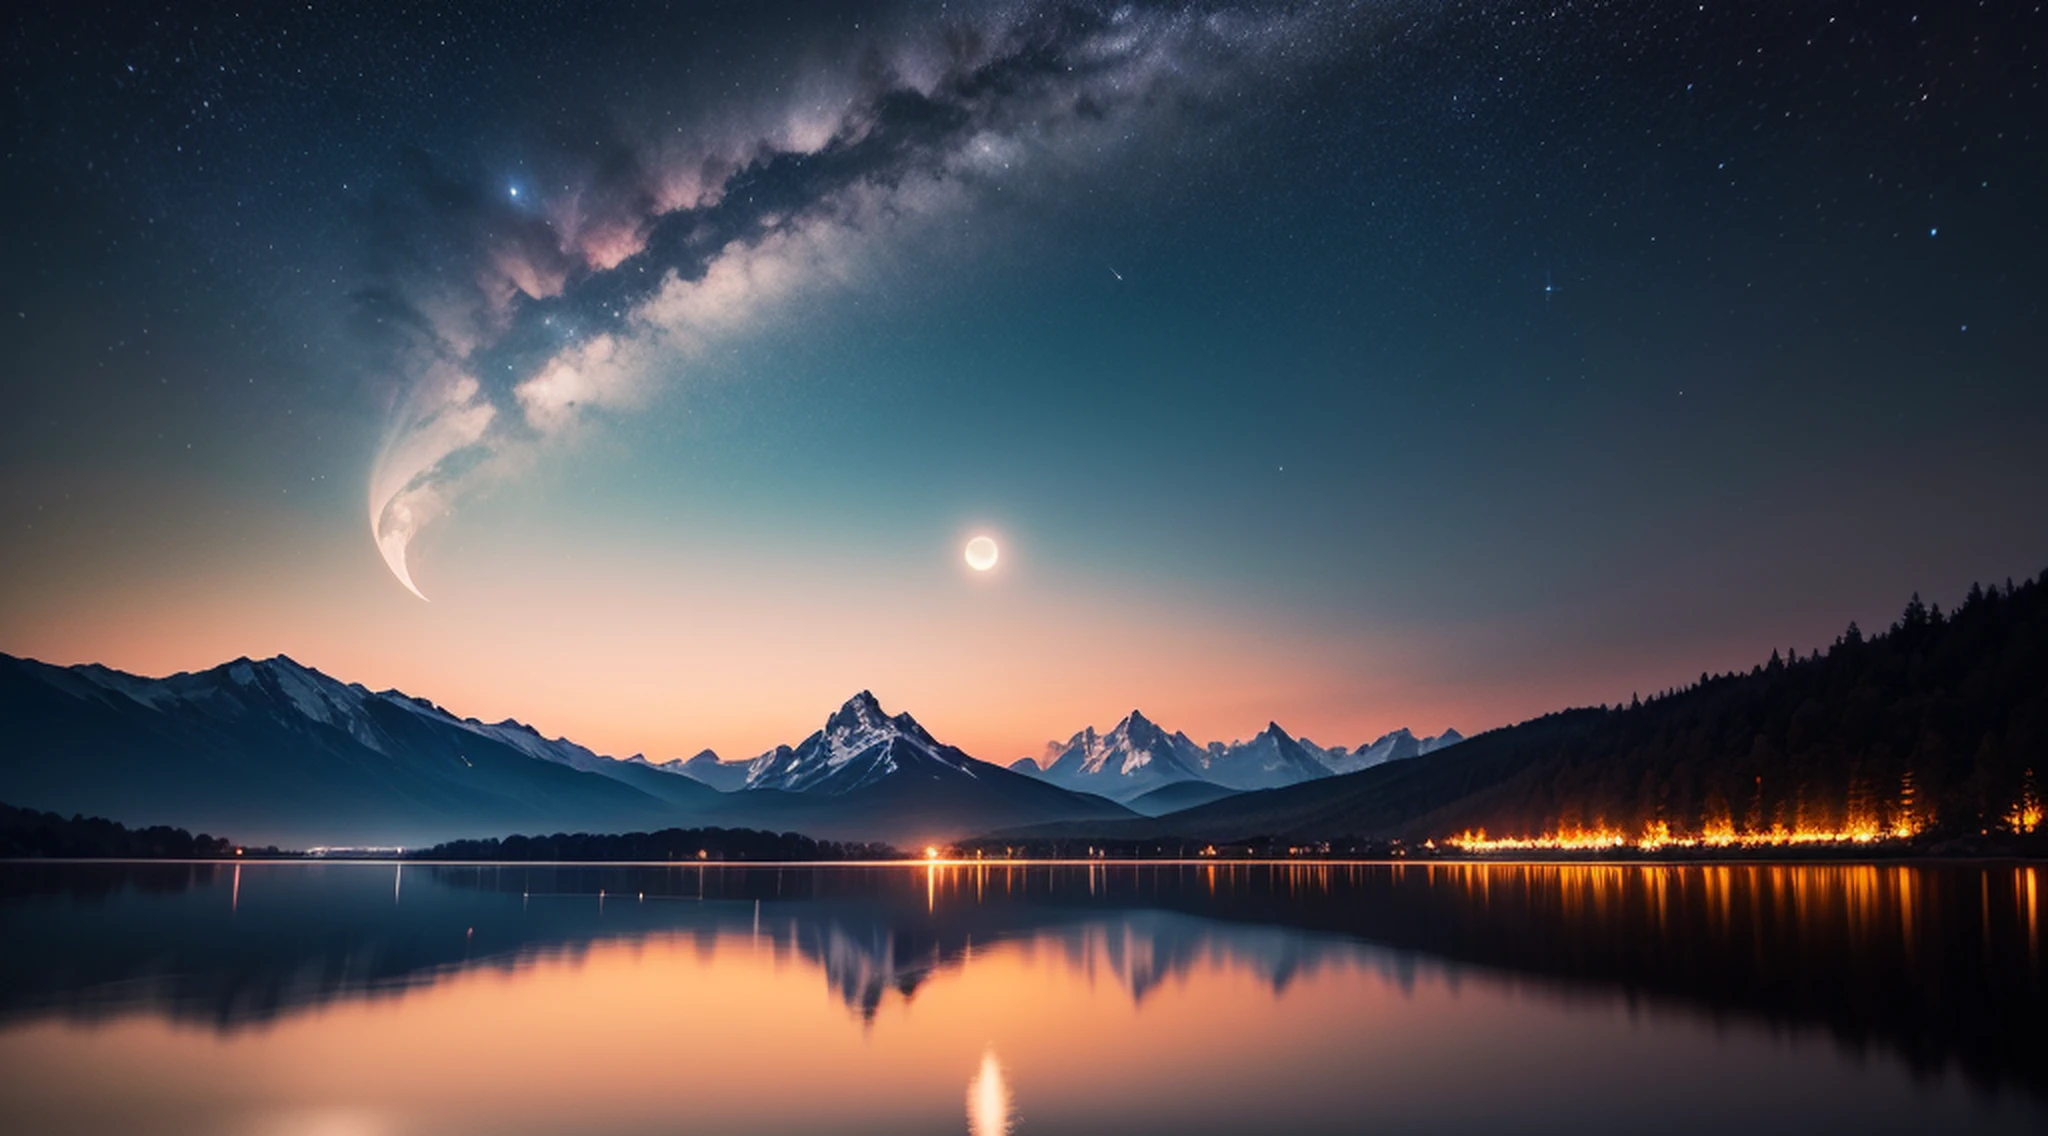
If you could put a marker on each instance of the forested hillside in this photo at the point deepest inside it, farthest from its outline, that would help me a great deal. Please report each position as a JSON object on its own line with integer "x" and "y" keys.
{"x": 1935, "y": 728}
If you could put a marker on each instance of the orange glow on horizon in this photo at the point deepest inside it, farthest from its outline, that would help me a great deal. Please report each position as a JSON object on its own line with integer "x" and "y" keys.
{"x": 627, "y": 645}
{"x": 1659, "y": 835}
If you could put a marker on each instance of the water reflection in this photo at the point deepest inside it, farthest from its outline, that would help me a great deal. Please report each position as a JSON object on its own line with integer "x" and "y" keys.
{"x": 988, "y": 1099}
{"x": 1278, "y": 976}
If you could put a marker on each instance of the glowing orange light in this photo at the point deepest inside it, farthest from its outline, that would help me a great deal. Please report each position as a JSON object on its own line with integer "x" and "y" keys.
{"x": 1659, "y": 835}
{"x": 931, "y": 852}
{"x": 2026, "y": 812}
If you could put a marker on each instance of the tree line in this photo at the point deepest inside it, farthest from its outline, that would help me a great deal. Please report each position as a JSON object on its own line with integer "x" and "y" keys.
{"x": 681, "y": 844}
{"x": 1937, "y": 726}
{"x": 29, "y": 834}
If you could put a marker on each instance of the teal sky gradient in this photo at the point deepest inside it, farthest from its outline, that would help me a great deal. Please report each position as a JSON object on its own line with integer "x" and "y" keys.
{"x": 1390, "y": 365}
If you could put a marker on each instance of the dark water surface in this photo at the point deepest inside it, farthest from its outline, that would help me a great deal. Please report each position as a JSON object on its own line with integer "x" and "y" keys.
{"x": 378, "y": 1000}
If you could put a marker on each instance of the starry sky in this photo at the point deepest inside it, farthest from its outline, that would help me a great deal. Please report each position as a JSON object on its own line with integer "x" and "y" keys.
{"x": 1349, "y": 365}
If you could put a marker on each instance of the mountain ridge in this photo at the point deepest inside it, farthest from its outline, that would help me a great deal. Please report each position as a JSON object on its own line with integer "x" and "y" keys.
{"x": 278, "y": 752}
{"x": 1137, "y": 757}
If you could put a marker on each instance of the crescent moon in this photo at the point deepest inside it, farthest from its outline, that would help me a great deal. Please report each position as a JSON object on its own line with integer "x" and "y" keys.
{"x": 393, "y": 524}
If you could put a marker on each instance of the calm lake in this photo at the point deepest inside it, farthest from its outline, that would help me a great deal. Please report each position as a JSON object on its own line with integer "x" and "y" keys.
{"x": 344, "y": 999}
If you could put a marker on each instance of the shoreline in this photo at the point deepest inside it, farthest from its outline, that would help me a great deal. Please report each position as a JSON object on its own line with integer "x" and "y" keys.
{"x": 1095, "y": 862}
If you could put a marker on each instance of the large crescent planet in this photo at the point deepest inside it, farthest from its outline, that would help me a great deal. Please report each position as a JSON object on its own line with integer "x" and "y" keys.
{"x": 981, "y": 554}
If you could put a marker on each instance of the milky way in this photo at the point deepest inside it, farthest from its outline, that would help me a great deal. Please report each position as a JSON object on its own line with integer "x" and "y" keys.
{"x": 579, "y": 308}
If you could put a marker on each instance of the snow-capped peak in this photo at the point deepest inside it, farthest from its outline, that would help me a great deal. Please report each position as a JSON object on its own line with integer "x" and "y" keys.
{"x": 860, "y": 713}
{"x": 859, "y": 745}
{"x": 1395, "y": 745}
{"x": 1133, "y": 758}
{"x": 1271, "y": 759}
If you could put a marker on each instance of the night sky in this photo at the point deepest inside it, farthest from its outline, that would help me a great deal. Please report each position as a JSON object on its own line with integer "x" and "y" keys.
{"x": 1354, "y": 366}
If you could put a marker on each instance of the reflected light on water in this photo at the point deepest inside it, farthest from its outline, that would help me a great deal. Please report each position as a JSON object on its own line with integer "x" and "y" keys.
{"x": 324, "y": 1122}
{"x": 988, "y": 1099}
{"x": 1198, "y": 999}
{"x": 2033, "y": 917}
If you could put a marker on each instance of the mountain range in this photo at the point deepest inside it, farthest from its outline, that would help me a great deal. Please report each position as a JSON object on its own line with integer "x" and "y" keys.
{"x": 272, "y": 751}
{"x": 1400, "y": 745}
{"x": 1139, "y": 764}
{"x": 1935, "y": 727}
{"x": 1136, "y": 763}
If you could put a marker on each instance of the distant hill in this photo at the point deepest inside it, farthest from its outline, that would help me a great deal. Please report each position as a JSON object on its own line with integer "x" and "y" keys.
{"x": 1938, "y": 727}
{"x": 1177, "y": 796}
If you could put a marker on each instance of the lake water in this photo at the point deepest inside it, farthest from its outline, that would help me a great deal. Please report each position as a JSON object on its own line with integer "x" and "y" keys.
{"x": 376, "y": 1000}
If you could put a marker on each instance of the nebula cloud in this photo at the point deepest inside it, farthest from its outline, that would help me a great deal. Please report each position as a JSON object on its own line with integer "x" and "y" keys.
{"x": 527, "y": 320}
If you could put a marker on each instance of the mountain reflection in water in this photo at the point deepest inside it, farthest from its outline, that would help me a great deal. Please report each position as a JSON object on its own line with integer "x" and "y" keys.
{"x": 1924, "y": 979}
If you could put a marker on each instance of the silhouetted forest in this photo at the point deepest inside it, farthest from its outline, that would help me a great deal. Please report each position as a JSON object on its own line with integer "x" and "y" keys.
{"x": 1935, "y": 729}
{"x": 28, "y": 833}
{"x": 667, "y": 844}
{"x": 1937, "y": 726}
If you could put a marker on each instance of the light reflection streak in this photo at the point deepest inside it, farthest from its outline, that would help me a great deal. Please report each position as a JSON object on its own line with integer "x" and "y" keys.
{"x": 2033, "y": 919}
{"x": 1902, "y": 880}
{"x": 988, "y": 1099}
